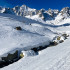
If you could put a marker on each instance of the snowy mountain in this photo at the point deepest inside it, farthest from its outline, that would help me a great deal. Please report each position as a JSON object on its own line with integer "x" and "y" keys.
{"x": 43, "y": 15}
{"x": 24, "y": 10}
{"x": 33, "y": 39}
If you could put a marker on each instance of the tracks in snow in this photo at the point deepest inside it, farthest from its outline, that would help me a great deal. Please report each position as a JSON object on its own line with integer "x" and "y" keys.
{"x": 62, "y": 64}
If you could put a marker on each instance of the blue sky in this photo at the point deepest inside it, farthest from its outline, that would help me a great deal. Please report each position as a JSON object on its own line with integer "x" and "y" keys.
{"x": 38, "y": 4}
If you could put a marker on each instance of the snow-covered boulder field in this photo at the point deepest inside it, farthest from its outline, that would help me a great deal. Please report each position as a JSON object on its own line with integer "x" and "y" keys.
{"x": 34, "y": 43}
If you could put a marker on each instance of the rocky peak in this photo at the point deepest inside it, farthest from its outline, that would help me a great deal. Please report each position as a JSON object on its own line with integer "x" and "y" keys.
{"x": 52, "y": 13}
{"x": 42, "y": 11}
{"x": 65, "y": 11}
{"x": 24, "y": 11}
{"x": 16, "y": 8}
{"x": 24, "y": 7}
{"x": 7, "y": 10}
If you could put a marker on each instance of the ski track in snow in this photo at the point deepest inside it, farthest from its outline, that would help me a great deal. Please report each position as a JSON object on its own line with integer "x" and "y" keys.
{"x": 62, "y": 64}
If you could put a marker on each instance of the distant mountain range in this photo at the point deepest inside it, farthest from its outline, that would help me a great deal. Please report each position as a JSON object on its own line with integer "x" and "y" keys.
{"x": 45, "y": 15}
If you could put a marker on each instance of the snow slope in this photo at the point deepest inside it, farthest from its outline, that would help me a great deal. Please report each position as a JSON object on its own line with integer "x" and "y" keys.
{"x": 34, "y": 34}
{"x": 29, "y": 37}
{"x": 52, "y": 58}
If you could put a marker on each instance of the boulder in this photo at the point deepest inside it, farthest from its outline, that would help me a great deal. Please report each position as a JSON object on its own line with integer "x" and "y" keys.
{"x": 58, "y": 38}
{"x": 65, "y": 35}
{"x": 53, "y": 43}
{"x": 61, "y": 41}
{"x": 11, "y": 57}
{"x": 18, "y": 28}
{"x": 21, "y": 55}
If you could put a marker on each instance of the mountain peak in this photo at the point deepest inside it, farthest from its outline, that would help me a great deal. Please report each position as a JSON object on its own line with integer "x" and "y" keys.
{"x": 65, "y": 11}
{"x": 24, "y": 10}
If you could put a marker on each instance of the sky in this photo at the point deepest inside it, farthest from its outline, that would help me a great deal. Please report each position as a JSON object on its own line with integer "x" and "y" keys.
{"x": 37, "y": 4}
